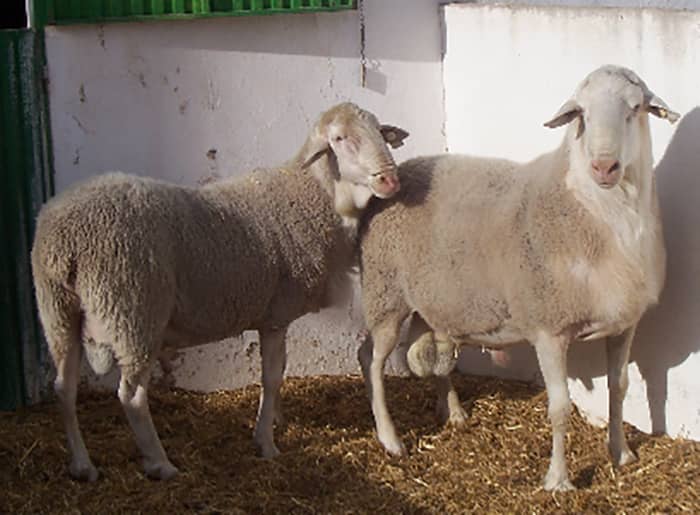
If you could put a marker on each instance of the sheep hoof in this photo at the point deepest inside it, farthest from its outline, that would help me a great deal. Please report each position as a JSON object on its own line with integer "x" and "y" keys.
{"x": 280, "y": 419}
{"x": 162, "y": 470}
{"x": 625, "y": 457}
{"x": 395, "y": 448}
{"x": 452, "y": 417}
{"x": 83, "y": 472}
{"x": 268, "y": 452}
{"x": 557, "y": 483}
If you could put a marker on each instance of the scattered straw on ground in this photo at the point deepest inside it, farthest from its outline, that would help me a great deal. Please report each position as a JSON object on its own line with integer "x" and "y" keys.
{"x": 331, "y": 462}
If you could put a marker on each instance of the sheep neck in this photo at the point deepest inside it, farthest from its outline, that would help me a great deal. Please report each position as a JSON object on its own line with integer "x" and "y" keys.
{"x": 628, "y": 209}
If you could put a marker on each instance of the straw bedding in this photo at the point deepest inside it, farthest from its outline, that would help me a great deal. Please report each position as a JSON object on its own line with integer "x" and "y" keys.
{"x": 331, "y": 462}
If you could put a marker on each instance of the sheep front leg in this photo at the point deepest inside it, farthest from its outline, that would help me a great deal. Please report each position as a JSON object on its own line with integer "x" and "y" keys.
{"x": 274, "y": 359}
{"x": 133, "y": 394}
{"x": 448, "y": 409}
{"x": 384, "y": 339}
{"x": 618, "y": 352}
{"x": 551, "y": 355}
{"x": 66, "y": 387}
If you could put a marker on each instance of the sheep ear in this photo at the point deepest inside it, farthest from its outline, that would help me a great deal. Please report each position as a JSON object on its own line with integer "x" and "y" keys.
{"x": 568, "y": 112}
{"x": 394, "y": 136}
{"x": 658, "y": 107}
{"x": 315, "y": 157}
{"x": 315, "y": 150}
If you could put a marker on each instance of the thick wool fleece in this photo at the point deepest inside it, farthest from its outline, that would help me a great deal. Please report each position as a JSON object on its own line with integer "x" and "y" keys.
{"x": 145, "y": 261}
{"x": 483, "y": 247}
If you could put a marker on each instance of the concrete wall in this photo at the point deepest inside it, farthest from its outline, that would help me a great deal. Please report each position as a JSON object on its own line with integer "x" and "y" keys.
{"x": 155, "y": 98}
{"x": 506, "y": 71}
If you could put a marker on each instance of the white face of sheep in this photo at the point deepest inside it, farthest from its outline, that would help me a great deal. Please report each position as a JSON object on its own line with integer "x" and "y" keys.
{"x": 358, "y": 145}
{"x": 363, "y": 156}
{"x": 610, "y": 109}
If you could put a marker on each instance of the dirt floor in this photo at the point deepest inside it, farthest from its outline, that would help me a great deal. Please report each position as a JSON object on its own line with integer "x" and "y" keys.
{"x": 331, "y": 462}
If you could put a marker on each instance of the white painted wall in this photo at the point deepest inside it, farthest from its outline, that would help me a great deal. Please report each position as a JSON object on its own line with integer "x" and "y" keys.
{"x": 506, "y": 71}
{"x": 154, "y": 98}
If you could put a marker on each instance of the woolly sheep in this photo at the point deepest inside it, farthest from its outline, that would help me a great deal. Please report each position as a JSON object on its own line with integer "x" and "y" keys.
{"x": 489, "y": 252}
{"x": 124, "y": 266}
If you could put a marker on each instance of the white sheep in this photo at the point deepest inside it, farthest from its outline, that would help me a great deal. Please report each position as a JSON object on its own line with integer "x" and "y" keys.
{"x": 124, "y": 266}
{"x": 489, "y": 252}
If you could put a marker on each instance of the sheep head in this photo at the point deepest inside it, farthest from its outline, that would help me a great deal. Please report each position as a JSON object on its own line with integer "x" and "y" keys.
{"x": 356, "y": 146}
{"x": 610, "y": 110}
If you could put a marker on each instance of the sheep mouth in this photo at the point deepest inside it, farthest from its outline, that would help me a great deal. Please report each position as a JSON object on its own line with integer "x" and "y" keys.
{"x": 384, "y": 185}
{"x": 606, "y": 185}
{"x": 607, "y": 182}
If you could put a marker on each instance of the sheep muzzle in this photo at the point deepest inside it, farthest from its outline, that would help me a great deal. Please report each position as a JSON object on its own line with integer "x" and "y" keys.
{"x": 384, "y": 184}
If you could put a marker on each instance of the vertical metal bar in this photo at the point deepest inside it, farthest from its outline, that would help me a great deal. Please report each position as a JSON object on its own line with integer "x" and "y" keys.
{"x": 31, "y": 196}
{"x": 41, "y": 13}
{"x": 157, "y": 7}
{"x": 74, "y": 9}
{"x": 11, "y": 387}
{"x": 115, "y": 8}
{"x": 136, "y": 7}
{"x": 23, "y": 171}
{"x": 177, "y": 6}
{"x": 91, "y": 10}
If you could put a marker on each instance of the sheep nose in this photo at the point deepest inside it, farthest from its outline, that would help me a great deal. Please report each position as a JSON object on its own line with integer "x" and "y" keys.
{"x": 390, "y": 181}
{"x": 605, "y": 167}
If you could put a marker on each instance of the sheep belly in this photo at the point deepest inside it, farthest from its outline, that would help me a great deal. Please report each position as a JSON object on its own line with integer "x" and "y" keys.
{"x": 501, "y": 337}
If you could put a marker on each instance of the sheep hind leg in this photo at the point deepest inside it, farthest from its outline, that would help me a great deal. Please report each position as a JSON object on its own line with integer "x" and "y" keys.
{"x": 274, "y": 356}
{"x": 59, "y": 311}
{"x": 66, "y": 387}
{"x": 384, "y": 338}
{"x": 364, "y": 356}
{"x": 133, "y": 394}
{"x": 618, "y": 351}
{"x": 551, "y": 355}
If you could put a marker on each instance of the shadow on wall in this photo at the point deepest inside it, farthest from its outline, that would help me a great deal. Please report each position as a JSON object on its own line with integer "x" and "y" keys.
{"x": 670, "y": 332}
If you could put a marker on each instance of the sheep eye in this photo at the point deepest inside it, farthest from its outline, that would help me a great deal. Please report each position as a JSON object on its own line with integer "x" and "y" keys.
{"x": 338, "y": 138}
{"x": 634, "y": 112}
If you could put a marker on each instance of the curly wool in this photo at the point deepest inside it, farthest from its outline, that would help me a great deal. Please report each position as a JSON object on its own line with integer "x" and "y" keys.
{"x": 143, "y": 256}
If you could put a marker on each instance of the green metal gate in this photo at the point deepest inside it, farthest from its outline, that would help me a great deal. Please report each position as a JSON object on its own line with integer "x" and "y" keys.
{"x": 25, "y": 183}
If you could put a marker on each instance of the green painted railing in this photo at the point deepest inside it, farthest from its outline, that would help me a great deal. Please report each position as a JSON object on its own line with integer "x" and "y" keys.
{"x": 102, "y": 11}
{"x": 25, "y": 175}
